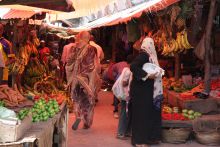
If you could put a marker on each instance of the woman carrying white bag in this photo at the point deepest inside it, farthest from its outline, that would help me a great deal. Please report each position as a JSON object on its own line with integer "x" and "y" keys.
{"x": 146, "y": 94}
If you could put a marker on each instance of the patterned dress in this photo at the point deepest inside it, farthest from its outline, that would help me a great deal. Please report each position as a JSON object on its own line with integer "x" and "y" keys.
{"x": 81, "y": 66}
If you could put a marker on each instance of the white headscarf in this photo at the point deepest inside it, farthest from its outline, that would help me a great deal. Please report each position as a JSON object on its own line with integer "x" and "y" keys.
{"x": 148, "y": 47}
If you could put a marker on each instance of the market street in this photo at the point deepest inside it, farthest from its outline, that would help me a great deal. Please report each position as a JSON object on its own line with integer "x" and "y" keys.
{"x": 103, "y": 131}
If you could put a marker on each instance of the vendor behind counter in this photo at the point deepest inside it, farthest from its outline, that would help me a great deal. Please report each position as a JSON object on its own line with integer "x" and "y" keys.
{"x": 6, "y": 55}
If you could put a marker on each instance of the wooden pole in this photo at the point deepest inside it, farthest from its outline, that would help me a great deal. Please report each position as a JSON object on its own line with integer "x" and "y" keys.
{"x": 208, "y": 33}
{"x": 114, "y": 43}
{"x": 177, "y": 66}
{"x": 114, "y": 40}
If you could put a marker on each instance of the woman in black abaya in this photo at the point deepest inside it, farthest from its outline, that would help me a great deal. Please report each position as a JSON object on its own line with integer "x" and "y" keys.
{"x": 146, "y": 98}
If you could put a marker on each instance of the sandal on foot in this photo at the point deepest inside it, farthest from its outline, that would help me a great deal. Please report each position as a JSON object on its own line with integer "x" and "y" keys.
{"x": 76, "y": 124}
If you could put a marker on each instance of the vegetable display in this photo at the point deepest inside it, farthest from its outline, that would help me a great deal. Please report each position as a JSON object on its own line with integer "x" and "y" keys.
{"x": 169, "y": 113}
{"x": 43, "y": 110}
{"x": 190, "y": 114}
{"x": 10, "y": 97}
{"x": 23, "y": 113}
{"x": 2, "y": 104}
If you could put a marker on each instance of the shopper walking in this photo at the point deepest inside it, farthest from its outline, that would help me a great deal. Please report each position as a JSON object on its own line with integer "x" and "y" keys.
{"x": 146, "y": 98}
{"x": 83, "y": 75}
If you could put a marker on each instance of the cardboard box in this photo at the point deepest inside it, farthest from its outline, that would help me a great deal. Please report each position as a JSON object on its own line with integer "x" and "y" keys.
{"x": 12, "y": 133}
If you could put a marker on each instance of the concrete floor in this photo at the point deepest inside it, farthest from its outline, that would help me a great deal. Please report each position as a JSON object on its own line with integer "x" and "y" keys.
{"x": 103, "y": 131}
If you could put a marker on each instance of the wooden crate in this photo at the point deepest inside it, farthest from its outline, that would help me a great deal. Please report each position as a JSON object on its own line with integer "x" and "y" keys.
{"x": 11, "y": 133}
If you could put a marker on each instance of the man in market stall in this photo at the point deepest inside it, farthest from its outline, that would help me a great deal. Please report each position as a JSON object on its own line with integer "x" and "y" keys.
{"x": 7, "y": 55}
{"x": 44, "y": 52}
{"x": 83, "y": 76}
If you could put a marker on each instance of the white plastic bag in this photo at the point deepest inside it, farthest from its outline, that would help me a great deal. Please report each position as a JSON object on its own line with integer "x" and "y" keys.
{"x": 152, "y": 70}
{"x": 120, "y": 91}
{"x": 7, "y": 113}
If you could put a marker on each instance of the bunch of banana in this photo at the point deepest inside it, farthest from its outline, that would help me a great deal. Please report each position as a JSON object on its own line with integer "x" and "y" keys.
{"x": 166, "y": 49}
{"x": 182, "y": 40}
{"x": 174, "y": 46}
{"x": 179, "y": 42}
{"x": 169, "y": 48}
{"x": 185, "y": 41}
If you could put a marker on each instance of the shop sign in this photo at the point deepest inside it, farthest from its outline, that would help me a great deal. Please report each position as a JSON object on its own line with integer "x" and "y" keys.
{"x": 35, "y": 22}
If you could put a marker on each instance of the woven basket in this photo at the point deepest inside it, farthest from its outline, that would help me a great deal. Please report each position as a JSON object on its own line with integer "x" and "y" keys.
{"x": 176, "y": 135}
{"x": 209, "y": 137}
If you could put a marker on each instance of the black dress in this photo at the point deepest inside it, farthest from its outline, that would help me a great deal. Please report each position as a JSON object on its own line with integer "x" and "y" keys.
{"x": 146, "y": 120}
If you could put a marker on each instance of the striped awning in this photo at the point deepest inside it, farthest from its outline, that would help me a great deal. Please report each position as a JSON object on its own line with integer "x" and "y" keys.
{"x": 13, "y": 14}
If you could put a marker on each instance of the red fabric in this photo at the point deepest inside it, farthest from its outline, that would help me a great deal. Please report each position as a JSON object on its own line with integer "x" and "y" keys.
{"x": 110, "y": 72}
{"x": 43, "y": 54}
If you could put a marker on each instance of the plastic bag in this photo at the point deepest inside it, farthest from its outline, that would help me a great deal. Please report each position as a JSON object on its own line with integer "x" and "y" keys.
{"x": 152, "y": 70}
{"x": 7, "y": 113}
{"x": 120, "y": 91}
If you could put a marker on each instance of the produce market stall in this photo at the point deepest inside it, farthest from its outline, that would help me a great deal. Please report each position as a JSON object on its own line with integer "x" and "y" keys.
{"x": 45, "y": 134}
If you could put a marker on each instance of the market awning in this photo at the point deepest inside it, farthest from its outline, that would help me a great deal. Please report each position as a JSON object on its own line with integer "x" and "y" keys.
{"x": 57, "y": 5}
{"x": 127, "y": 14}
{"x": 82, "y": 8}
{"x": 13, "y": 14}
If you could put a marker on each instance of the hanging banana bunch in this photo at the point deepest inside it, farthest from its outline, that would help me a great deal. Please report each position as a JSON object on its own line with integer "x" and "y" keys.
{"x": 185, "y": 41}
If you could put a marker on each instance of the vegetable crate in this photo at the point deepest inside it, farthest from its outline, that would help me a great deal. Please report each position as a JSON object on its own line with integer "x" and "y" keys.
{"x": 12, "y": 133}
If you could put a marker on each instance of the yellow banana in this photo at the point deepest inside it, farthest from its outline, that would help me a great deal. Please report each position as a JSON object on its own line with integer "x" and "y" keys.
{"x": 186, "y": 40}
{"x": 165, "y": 50}
{"x": 179, "y": 42}
{"x": 183, "y": 41}
{"x": 172, "y": 46}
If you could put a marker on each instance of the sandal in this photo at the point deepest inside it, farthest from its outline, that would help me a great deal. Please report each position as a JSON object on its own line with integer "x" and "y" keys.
{"x": 76, "y": 124}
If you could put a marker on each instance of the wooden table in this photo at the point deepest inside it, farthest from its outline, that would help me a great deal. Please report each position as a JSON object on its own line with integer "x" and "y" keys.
{"x": 46, "y": 134}
{"x": 201, "y": 105}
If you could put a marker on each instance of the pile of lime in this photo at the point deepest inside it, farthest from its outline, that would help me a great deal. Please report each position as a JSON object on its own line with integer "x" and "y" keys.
{"x": 2, "y": 104}
{"x": 23, "y": 113}
{"x": 190, "y": 114}
{"x": 43, "y": 110}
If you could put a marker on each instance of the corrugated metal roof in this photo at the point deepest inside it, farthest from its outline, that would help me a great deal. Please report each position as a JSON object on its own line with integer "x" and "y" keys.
{"x": 12, "y": 14}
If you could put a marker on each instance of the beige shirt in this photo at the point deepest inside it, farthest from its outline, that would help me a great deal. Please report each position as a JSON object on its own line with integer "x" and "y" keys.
{"x": 66, "y": 52}
{"x": 100, "y": 53}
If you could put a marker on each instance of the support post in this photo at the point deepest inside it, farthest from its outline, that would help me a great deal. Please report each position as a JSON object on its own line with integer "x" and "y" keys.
{"x": 208, "y": 33}
{"x": 177, "y": 66}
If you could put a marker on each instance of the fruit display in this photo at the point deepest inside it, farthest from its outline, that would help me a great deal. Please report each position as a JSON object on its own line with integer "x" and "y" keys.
{"x": 173, "y": 116}
{"x": 34, "y": 72}
{"x": 43, "y": 110}
{"x": 178, "y": 45}
{"x": 10, "y": 97}
{"x": 190, "y": 114}
{"x": 215, "y": 84}
{"x": 169, "y": 113}
{"x": 176, "y": 85}
{"x": 59, "y": 96}
{"x": 23, "y": 113}
{"x": 2, "y": 104}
